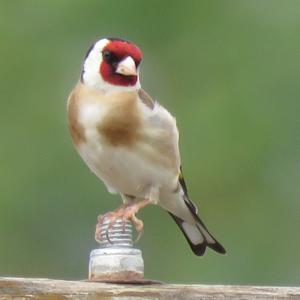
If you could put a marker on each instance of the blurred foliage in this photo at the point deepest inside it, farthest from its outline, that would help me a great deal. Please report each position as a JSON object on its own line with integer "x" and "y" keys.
{"x": 229, "y": 71}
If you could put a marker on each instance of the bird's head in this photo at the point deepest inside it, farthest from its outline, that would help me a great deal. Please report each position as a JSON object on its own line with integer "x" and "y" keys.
{"x": 112, "y": 64}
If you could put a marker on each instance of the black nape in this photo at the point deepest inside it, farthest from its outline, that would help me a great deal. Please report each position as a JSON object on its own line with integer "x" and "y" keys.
{"x": 89, "y": 51}
{"x": 116, "y": 39}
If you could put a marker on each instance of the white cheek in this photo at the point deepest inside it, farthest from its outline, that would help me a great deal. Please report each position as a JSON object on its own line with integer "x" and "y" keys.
{"x": 92, "y": 78}
{"x": 91, "y": 74}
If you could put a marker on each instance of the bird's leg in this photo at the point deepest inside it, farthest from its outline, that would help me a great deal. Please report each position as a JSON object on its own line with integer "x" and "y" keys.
{"x": 130, "y": 212}
{"x": 127, "y": 212}
{"x": 139, "y": 227}
{"x": 152, "y": 198}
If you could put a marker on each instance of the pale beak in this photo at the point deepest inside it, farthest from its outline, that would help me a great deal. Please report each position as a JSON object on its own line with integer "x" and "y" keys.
{"x": 127, "y": 67}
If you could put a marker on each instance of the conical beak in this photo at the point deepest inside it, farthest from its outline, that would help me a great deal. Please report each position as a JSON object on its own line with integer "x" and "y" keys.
{"x": 127, "y": 67}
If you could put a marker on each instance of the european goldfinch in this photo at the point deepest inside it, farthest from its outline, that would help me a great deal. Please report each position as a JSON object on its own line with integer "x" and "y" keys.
{"x": 130, "y": 141}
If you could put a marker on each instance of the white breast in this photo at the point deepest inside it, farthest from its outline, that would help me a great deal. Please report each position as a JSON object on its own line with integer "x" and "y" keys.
{"x": 130, "y": 170}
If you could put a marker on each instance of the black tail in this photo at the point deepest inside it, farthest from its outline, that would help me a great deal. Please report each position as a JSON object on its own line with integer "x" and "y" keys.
{"x": 198, "y": 236}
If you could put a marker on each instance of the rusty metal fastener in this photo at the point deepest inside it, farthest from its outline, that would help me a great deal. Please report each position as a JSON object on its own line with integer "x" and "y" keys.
{"x": 116, "y": 259}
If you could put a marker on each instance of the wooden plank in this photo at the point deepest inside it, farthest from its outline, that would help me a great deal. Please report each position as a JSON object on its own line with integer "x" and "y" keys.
{"x": 49, "y": 289}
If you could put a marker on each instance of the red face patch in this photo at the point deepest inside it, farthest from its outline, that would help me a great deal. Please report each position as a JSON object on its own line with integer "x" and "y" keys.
{"x": 122, "y": 49}
{"x": 117, "y": 51}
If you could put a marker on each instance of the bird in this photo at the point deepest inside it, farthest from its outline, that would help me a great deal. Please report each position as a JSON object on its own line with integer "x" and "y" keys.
{"x": 130, "y": 141}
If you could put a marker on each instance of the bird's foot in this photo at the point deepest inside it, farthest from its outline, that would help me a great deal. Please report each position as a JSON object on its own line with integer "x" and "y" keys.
{"x": 124, "y": 212}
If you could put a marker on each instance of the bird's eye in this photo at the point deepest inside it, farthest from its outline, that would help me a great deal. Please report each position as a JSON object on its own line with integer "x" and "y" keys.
{"x": 106, "y": 55}
{"x": 137, "y": 63}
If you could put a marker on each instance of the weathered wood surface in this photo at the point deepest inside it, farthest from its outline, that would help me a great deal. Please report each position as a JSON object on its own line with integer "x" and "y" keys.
{"x": 48, "y": 289}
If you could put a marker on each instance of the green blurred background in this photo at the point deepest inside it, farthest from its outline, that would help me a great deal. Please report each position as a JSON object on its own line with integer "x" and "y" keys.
{"x": 228, "y": 70}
